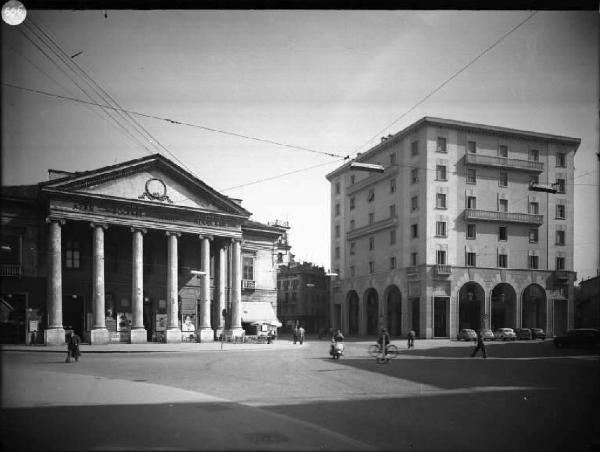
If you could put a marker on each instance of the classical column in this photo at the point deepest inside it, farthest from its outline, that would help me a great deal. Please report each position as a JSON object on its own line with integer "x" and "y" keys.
{"x": 221, "y": 278}
{"x": 173, "y": 329}
{"x": 206, "y": 331}
{"x": 54, "y": 333}
{"x": 99, "y": 333}
{"x": 236, "y": 289}
{"x": 138, "y": 332}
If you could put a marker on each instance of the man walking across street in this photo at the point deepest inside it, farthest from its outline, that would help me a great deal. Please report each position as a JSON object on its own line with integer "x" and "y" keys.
{"x": 480, "y": 345}
{"x": 411, "y": 339}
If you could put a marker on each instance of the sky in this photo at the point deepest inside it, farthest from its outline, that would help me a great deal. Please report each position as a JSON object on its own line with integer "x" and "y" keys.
{"x": 331, "y": 82}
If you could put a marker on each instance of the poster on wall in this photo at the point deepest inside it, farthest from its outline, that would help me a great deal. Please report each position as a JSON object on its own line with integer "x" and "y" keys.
{"x": 123, "y": 321}
{"x": 161, "y": 322}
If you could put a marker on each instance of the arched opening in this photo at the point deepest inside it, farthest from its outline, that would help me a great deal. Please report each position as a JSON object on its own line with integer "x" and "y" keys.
{"x": 534, "y": 307}
{"x": 353, "y": 313}
{"x": 504, "y": 306}
{"x": 471, "y": 306}
{"x": 372, "y": 311}
{"x": 393, "y": 309}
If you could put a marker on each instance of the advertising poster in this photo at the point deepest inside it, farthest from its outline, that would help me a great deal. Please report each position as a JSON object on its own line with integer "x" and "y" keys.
{"x": 161, "y": 322}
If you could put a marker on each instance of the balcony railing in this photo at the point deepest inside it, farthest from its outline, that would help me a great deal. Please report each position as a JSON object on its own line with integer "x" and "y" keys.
{"x": 443, "y": 270}
{"x": 248, "y": 284}
{"x": 501, "y": 162}
{"x": 504, "y": 217}
{"x": 561, "y": 275}
{"x": 11, "y": 270}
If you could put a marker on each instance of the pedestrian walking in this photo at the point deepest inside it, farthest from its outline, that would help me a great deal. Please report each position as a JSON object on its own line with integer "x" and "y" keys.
{"x": 480, "y": 345}
{"x": 295, "y": 333}
{"x": 411, "y": 339}
{"x": 73, "y": 341}
{"x": 301, "y": 335}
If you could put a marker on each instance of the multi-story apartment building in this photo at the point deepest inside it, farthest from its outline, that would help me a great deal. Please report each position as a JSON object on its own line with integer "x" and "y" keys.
{"x": 303, "y": 296}
{"x": 468, "y": 226}
{"x": 133, "y": 252}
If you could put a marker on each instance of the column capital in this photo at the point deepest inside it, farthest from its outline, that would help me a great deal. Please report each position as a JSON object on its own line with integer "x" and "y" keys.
{"x": 142, "y": 230}
{"x": 208, "y": 237}
{"x": 175, "y": 233}
{"x": 60, "y": 221}
{"x": 236, "y": 240}
{"x": 99, "y": 225}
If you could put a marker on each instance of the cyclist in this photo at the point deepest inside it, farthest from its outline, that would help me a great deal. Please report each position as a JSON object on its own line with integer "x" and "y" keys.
{"x": 383, "y": 341}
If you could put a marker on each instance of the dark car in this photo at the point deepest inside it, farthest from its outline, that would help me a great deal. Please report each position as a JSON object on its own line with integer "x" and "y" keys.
{"x": 523, "y": 333}
{"x": 538, "y": 333}
{"x": 579, "y": 337}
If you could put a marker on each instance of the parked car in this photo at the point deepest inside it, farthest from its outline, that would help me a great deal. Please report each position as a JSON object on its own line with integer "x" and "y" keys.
{"x": 504, "y": 334}
{"x": 523, "y": 333}
{"x": 466, "y": 334}
{"x": 538, "y": 333}
{"x": 488, "y": 335}
{"x": 579, "y": 337}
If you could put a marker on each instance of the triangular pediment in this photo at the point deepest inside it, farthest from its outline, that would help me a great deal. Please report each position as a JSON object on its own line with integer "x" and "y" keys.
{"x": 155, "y": 180}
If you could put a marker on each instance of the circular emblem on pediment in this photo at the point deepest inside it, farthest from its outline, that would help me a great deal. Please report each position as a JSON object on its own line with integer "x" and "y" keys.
{"x": 156, "y": 189}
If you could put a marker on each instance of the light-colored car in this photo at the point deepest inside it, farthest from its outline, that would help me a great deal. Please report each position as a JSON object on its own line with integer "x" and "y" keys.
{"x": 488, "y": 335}
{"x": 466, "y": 334}
{"x": 504, "y": 334}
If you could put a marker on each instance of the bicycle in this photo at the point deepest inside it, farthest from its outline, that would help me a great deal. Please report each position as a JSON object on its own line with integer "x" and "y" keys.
{"x": 375, "y": 352}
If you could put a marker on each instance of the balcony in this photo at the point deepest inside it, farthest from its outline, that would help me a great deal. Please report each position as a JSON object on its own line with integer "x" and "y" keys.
{"x": 500, "y": 162}
{"x": 248, "y": 284}
{"x": 503, "y": 217}
{"x": 11, "y": 270}
{"x": 443, "y": 270}
{"x": 372, "y": 228}
{"x": 561, "y": 275}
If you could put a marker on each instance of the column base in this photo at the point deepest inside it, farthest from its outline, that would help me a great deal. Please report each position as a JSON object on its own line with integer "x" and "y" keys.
{"x": 206, "y": 334}
{"x": 174, "y": 336}
{"x": 99, "y": 336}
{"x": 235, "y": 332}
{"x": 54, "y": 336}
{"x": 138, "y": 336}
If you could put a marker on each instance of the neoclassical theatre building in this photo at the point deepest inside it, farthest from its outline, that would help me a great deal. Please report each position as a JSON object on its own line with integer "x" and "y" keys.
{"x": 467, "y": 226}
{"x": 134, "y": 252}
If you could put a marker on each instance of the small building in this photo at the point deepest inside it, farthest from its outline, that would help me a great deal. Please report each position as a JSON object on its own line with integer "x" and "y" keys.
{"x": 587, "y": 303}
{"x": 133, "y": 252}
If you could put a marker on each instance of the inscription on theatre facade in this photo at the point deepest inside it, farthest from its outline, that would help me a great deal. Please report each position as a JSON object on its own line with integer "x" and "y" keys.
{"x": 102, "y": 207}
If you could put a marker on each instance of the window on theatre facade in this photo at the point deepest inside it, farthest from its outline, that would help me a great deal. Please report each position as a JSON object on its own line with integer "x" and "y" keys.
{"x": 248, "y": 268}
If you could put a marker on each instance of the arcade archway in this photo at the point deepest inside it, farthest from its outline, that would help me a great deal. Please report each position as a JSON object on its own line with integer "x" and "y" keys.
{"x": 534, "y": 307}
{"x": 353, "y": 313}
{"x": 504, "y": 306}
{"x": 372, "y": 311}
{"x": 471, "y": 306}
{"x": 393, "y": 299}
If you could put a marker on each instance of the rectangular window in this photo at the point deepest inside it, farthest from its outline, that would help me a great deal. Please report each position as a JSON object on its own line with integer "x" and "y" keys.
{"x": 503, "y": 151}
{"x": 371, "y": 267}
{"x": 371, "y": 243}
{"x": 371, "y": 218}
{"x": 352, "y": 203}
{"x": 414, "y": 148}
{"x": 503, "y": 260}
{"x": 533, "y": 262}
{"x": 560, "y": 212}
{"x": 352, "y": 179}
{"x": 392, "y": 185}
{"x": 392, "y": 158}
{"x": 393, "y": 210}
{"x": 560, "y": 237}
{"x": 371, "y": 195}
{"x": 337, "y": 231}
{"x": 471, "y": 231}
{"x": 534, "y": 155}
{"x": 337, "y": 209}
{"x": 414, "y": 231}
{"x": 72, "y": 254}
{"x": 503, "y": 205}
{"x": 533, "y": 236}
{"x": 440, "y": 200}
{"x": 560, "y": 263}
{"x": 440, "y": 229}
{"x": 413, "y": 259}
{"x": 471, "y": 259}
{"x": 337, "y": 252}
{"x": 560, "y": 186}
{"x": 471, "y": 147}
{"x": 503, "y": 179}
{"x": 337, "y": 188}
{"x": 392, "y": 263}
{"x": 248, "y": 268}
{"x": 352, "y": 271}
{"x": 534, "y": 179}
{"x": 471, "y": 202}
{"x": 561, "y": 160}
{"x": 440, "y": 257}
{"x": 352, "y": 248}
{"x": 503, "y": 233}
{"x": 534, "y": 208}
{"x": 441, "y": 144}
{"x": 393, "y": 237}
{"x": 440, "y": 172}
{"x": 414, "y": 203}
{"x": 414, "y": 175}
{"x": 471, "y": 176}
{"x": 352, "y": 223}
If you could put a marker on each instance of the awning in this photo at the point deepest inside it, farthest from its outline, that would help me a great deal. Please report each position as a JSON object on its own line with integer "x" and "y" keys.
{"x": 259, "y": 312}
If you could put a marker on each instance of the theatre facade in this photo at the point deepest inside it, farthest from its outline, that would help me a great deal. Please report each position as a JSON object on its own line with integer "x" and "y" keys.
{"x": 134, "y": 252}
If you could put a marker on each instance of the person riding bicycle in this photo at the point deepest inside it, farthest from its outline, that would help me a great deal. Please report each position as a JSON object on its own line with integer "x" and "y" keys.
{"x": 383, "y": 340}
